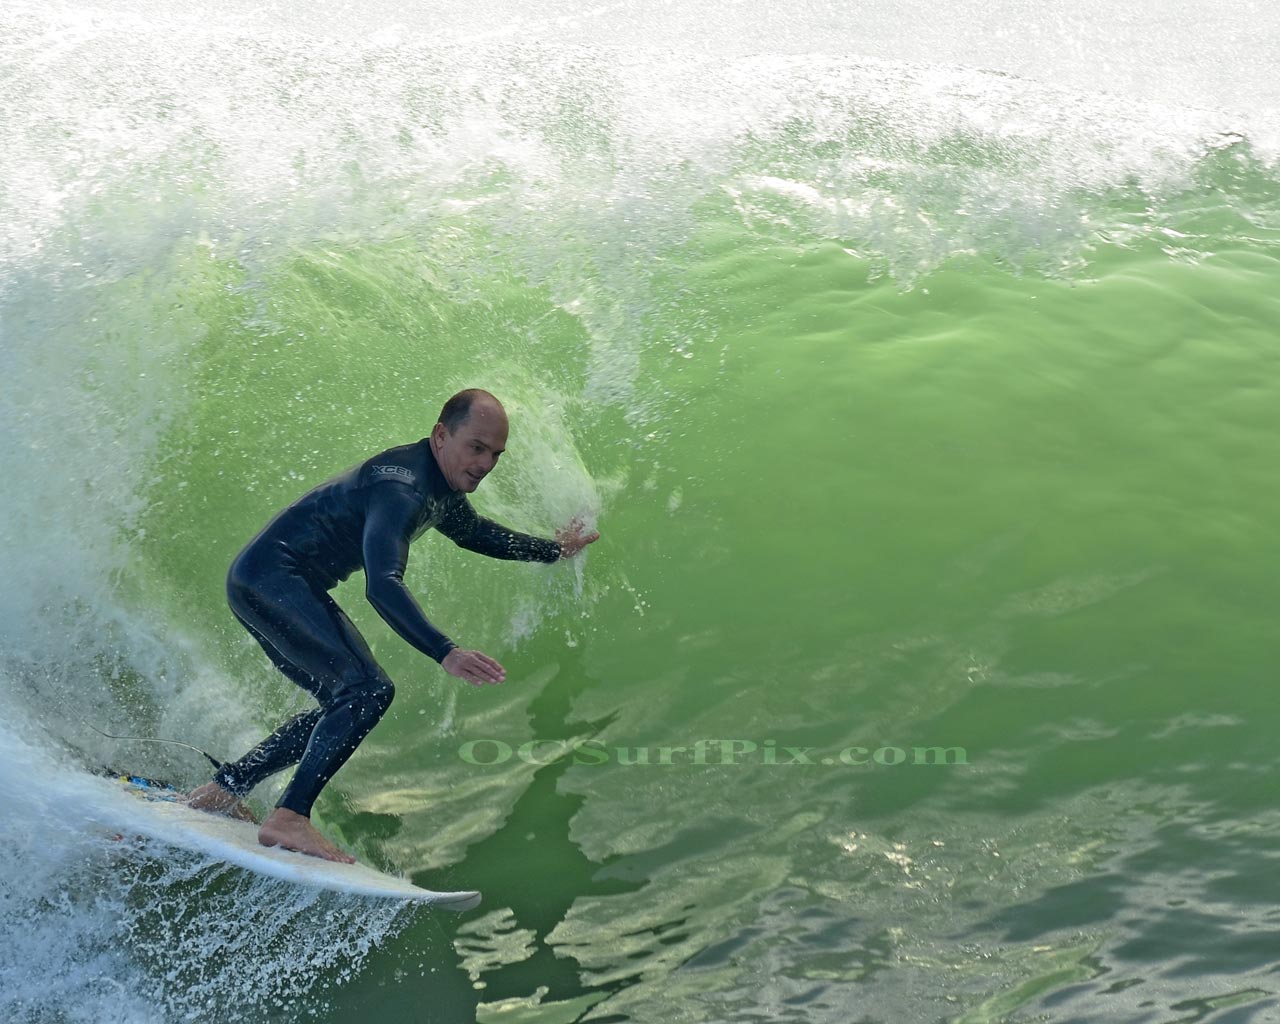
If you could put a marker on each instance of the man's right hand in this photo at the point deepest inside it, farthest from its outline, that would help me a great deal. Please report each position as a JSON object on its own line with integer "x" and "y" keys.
{"x": 474, "y": 667}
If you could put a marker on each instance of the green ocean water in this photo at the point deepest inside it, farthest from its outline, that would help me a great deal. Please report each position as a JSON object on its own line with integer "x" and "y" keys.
{"x": 922, "y": 671}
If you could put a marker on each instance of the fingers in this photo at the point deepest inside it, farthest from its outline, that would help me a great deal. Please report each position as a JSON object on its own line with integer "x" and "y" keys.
{"x": 571, "y": 544}
{"x": 480, "y": 674}
{"x": 489, "y": 670}
{"x": 478, "y": 669}
{"x": 575, "y": 527}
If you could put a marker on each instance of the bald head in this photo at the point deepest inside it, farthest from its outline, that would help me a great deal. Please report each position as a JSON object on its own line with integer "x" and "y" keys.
{"x": 461, "y": 406}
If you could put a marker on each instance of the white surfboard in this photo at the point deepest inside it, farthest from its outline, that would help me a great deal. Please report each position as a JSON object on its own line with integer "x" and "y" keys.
{"x": 162, "y": 815}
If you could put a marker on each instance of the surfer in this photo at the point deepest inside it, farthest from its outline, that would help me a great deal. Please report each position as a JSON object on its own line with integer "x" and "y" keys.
{"x": 278, "y": 588}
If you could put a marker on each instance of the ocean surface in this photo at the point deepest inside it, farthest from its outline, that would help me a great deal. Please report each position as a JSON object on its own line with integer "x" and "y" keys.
{"x": 919, "y": 366}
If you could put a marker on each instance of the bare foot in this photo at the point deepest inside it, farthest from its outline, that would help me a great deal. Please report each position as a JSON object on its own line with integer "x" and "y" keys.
{"x": 213, "y": 798}
{"x": 294, "y": 832}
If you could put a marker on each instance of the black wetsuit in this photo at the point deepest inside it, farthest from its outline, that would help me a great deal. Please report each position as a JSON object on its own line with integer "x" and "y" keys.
{"x": 278, "y": 588}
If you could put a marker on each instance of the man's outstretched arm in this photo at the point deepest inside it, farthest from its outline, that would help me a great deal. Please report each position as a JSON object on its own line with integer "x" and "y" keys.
{"x": 466, "y": 528}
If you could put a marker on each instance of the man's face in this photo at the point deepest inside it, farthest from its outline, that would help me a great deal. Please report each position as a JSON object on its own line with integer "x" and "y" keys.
{"x": 469, "y": 454}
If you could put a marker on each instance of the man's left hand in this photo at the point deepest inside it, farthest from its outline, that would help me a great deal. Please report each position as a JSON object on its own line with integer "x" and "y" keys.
{"x": 573, "y": 538}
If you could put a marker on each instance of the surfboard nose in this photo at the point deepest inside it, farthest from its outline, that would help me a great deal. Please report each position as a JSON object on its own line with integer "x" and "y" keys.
{"x": 456, "y": 901}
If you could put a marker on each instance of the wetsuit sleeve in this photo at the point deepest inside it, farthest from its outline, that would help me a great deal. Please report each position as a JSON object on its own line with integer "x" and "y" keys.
{"x": 389, "y": 521}
{"x": 466, "y": 528}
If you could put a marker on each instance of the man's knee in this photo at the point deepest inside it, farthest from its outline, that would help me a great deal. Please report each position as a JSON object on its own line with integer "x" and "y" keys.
{"x": 382, "y": 692}
{"x": 369, "y": 698}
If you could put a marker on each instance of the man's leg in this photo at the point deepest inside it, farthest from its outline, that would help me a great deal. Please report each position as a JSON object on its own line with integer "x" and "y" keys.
{"x": 312, "y": 641}
{"x": 284, "y": 747}
{"x": 281, "y": 750}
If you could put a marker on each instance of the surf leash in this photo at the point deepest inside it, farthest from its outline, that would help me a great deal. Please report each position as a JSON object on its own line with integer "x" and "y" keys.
{"x": 155, "y": 739}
